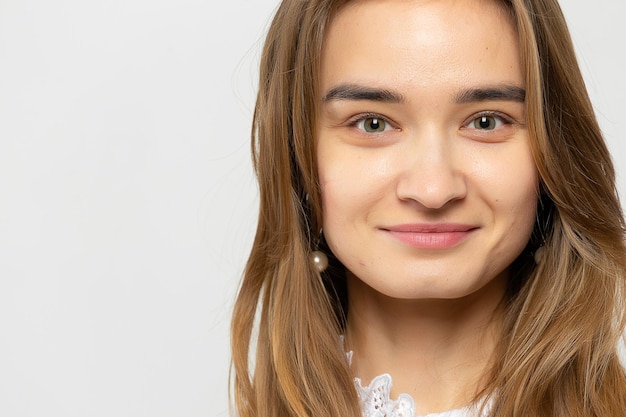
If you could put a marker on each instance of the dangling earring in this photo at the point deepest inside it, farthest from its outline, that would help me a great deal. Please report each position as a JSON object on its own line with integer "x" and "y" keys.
{"x": 319, "y": 258}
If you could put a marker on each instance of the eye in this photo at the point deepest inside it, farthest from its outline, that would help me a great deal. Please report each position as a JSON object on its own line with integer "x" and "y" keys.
{"x": 373, "y": 124}
{"x": 486, "y": 122}
{"x": 490, "y": 126}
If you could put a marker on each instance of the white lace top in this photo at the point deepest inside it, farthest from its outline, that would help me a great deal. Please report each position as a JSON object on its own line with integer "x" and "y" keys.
{"x": 375, "y": 402}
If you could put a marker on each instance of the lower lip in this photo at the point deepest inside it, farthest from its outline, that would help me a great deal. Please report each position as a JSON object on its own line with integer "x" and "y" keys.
{"x": 431, "y": 240}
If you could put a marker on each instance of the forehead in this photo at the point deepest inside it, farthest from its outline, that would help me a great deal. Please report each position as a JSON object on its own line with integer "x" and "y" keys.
{"x": 408, "y": 44}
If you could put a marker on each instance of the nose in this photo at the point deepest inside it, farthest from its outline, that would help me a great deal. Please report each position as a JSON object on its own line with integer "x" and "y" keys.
{"x": 431, "y": 173}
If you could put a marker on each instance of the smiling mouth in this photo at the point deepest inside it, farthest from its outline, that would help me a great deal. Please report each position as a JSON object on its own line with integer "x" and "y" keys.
{"x": 441, "y": 236}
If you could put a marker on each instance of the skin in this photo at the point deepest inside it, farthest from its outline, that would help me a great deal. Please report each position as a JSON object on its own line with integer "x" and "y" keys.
{"x": 429, "y": 189}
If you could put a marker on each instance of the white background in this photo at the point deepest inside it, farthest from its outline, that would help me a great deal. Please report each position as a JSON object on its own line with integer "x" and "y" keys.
{"x": 127, "y": 201}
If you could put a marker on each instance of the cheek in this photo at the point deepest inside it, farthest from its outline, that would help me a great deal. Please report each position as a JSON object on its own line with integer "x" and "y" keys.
{"x": 506, "y": 180}
{"x": 508, "y": 177}
{"x": 351, "y": 183}
{"x": 335, "y": 210}
{"x": 351, "y": 179}
{"x": 340, "y": 199}
{"x": 332, "y": 179}
{"x": 522, "y": 184}
{"x": 515, "y": 184}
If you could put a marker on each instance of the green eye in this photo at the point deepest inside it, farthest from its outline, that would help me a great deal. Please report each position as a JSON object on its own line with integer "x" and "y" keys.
{"x": 373, "y": 125}
{"x": 485, "y": 123}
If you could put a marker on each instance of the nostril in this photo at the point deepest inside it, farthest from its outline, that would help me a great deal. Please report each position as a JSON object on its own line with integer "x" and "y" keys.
{"x": 432, "y": 190}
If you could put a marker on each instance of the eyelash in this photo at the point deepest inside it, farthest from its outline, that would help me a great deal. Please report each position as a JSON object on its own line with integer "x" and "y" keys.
{"x": 505, "y": 119}
{"x": 355, "y": 120}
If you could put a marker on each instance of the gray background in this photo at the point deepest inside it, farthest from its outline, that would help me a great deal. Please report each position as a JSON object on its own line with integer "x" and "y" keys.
{"x": 127, "y": 201}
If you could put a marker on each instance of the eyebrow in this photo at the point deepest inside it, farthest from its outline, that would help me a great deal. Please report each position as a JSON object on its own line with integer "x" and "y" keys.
{"x": 498, "y": 93}
{"x": 358, "y": 92}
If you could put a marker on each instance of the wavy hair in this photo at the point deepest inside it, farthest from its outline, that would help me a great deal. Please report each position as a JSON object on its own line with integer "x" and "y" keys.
{"x": 557, "y": 355}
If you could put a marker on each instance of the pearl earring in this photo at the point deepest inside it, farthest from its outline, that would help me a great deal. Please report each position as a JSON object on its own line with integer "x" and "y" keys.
{"x": 320, "y": 260}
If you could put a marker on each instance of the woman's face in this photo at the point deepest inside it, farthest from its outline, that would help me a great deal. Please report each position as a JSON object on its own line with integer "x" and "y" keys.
{"x": 428, "y": 185}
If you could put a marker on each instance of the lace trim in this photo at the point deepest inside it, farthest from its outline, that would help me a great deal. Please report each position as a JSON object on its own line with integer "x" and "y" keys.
{"x": 375, "y": 401}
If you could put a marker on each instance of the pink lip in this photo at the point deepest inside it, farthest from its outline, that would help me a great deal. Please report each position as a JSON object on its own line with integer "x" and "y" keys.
{"x": 431, "y": 236}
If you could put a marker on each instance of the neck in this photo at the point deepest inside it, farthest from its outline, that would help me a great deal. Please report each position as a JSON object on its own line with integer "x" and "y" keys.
{"x": 436, "y": 350}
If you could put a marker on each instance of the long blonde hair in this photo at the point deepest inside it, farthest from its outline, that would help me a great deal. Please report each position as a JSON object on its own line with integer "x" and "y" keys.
{"x": 558, "y": 353}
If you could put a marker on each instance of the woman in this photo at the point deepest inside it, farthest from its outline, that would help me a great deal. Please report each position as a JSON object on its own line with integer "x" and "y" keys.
{"x": 445, "y": 156}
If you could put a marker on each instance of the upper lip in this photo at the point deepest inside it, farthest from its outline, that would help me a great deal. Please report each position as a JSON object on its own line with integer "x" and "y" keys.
{"x": 430, "y": 228}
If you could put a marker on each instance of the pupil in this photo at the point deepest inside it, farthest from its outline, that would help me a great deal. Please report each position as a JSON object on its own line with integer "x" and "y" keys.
{"x": 374, "y": 124}
{"x": 484, "y": 122}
